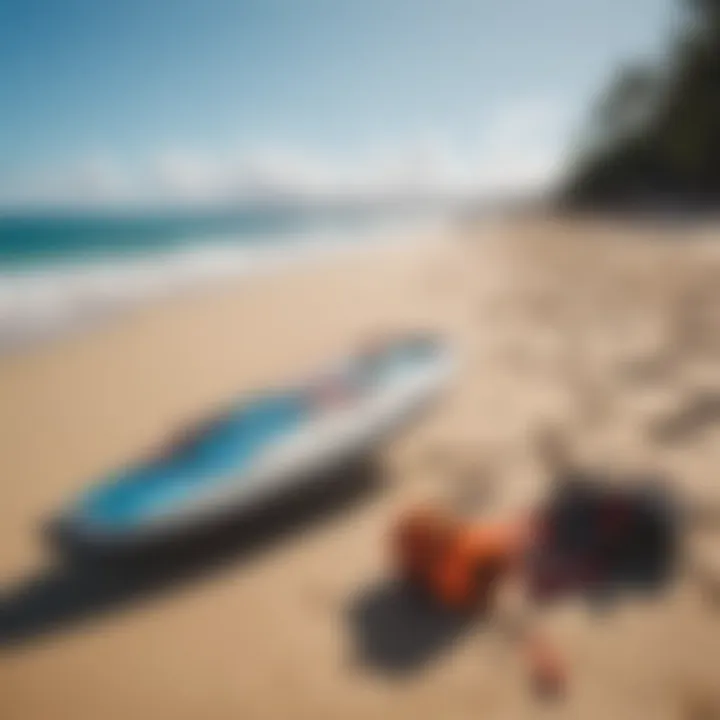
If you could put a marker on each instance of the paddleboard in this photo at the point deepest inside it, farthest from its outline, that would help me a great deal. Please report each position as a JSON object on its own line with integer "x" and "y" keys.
{"x": 262, "y": 445}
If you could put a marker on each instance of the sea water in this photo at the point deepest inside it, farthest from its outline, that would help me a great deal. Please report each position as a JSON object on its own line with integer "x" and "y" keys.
{"x": 63, "y": 271}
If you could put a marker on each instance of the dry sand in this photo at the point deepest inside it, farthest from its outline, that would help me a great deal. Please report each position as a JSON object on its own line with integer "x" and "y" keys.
{"x": 605, "y": 331}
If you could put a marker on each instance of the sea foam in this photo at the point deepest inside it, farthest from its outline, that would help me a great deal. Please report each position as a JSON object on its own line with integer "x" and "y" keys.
{"x": 48, "y": 301}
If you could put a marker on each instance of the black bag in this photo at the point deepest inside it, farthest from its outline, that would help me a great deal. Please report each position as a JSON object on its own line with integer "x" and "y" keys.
{"x": 627, "y": 535}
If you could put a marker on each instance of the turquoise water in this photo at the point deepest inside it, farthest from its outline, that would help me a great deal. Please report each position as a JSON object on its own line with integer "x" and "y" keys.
{"x": 28, "y": 240}
{"x": 63, "y": 272}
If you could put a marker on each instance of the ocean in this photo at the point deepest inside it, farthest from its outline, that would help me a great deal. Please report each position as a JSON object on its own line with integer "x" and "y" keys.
{"x": 64, "y": 271}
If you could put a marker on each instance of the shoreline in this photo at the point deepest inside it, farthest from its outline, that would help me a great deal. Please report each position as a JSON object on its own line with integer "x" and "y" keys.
{"x": 64, "y": 296}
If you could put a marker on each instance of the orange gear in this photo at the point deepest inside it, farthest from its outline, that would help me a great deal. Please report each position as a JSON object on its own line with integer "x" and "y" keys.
{"x": 460, "y": 565}
{"x": 457, "y": 564}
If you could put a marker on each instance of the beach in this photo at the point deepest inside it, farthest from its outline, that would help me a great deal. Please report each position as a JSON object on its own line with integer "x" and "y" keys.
{"x": 603, "y": 331}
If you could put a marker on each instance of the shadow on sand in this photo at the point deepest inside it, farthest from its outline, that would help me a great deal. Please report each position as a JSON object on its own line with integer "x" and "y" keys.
{"x": 397, "y": 631}
{"x": 80, "y": 586}
{"x": 695, "y": 415}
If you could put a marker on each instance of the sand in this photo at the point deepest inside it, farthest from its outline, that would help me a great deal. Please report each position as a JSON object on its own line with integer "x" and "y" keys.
{"x": 602, "y": 332}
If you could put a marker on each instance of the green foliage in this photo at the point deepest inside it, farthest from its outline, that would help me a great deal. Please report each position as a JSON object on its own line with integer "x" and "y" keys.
{"x": 657, "y": 132}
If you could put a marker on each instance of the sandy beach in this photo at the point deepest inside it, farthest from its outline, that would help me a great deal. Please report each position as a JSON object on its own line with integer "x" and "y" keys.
{"x": 605, "y": 331}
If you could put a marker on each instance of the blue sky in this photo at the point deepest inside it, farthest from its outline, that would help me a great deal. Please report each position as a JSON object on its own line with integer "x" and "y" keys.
{"x": 113, "y": 100}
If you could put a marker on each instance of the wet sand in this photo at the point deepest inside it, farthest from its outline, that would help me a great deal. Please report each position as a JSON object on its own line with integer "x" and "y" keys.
{"x": 606, "y": 332}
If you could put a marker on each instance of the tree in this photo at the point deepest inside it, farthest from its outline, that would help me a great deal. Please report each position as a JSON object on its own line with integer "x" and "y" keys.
{"x": 657, "y": 131}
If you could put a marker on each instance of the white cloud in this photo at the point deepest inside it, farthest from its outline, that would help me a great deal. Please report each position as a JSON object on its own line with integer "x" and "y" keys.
{"x": 519, "y": 149}
{"x": 523, "y": 144}
{"x": 187, "y": 174}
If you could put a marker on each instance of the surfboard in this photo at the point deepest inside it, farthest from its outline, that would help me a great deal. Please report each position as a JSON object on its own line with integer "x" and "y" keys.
{"x": 263, "y": 444}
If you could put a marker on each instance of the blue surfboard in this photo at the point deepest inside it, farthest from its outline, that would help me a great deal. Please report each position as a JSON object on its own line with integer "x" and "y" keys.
{"x": 264, "y": 441}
